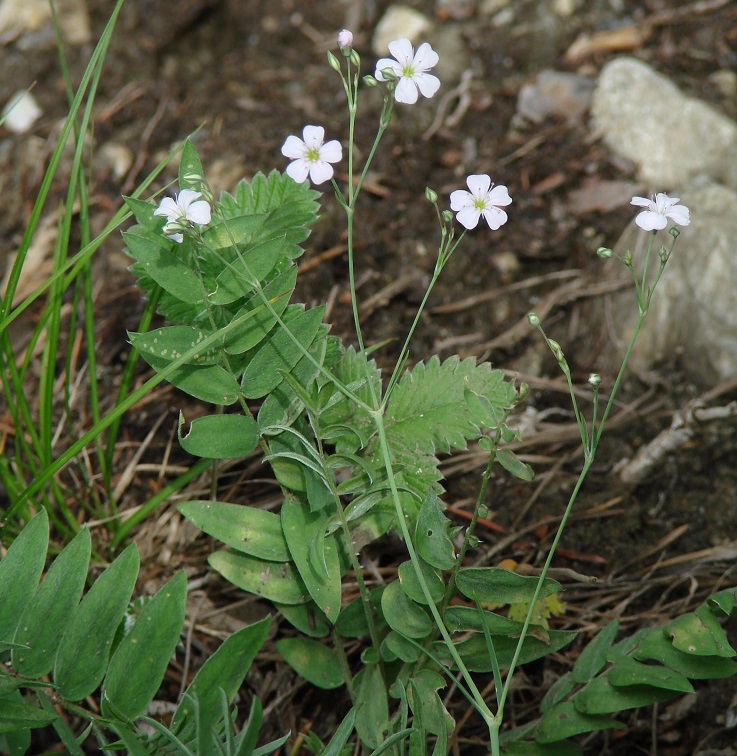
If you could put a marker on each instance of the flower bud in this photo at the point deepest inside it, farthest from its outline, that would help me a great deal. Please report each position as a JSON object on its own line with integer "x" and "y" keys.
{"x": 557, "y": 351}
{"x": 663, "y": 254}
{"x": 604, "y": 252}
{"x": 355, "y": 59}
{"x": 674, "y": 231}
{"x": 369, "y": 81}
{"x": 334, "y": 62}
{"x": 388, "y": 74}
{"x": 533, "y": 320}
{"x": 594, "y": 380}
{"x": 431, "y": 195}
{"x": 627, "y": 259}
{"x": 345, "y": 39}
{"x": 447, "y": 216}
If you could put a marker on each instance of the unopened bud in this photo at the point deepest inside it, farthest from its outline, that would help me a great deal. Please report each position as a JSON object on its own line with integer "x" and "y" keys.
{"x": 355, "y": 59}
{"x": 604, "y": 252}
{"x": 533, "y": 320}
{"x": 557, "y": 351}
{"x": 594, "y": 380}
{"x": 674, "y": 231}
{"x": 345, "y": 39}
{"x": 447, "y": 216}
{"x": 431, "y": 195}
{"x": 334, "y": 62}
{"x": 663, "y": 254}
{"x": 627, "y": 259}
{"x": 388, "y": 74}
{"x": 370, "y": 81}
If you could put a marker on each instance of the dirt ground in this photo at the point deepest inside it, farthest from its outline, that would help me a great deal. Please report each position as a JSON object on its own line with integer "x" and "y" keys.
{"x": 251, "y": 73}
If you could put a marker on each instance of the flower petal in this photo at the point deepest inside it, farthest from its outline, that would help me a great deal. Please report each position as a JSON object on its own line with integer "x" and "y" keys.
{"x": 313, "y": 136}
{"x": 469, "y": 216}
{"x": 293, "y": 148}
{"x": 331, "y": 151}
{"x": 641, "y": 201}
{"x": 406, "y": 91}
{"x": 494, "y": 217}
{"x": 651, "y": 221}
{"x": 459, "y": 199}
{"x": 298, "y": 170}
{"x": 186, "y": 198}
{"x": 168, "y": 208}
{"x": 679, "y": 214}
{"x": 426, "y": 83}
{"x": 425, "y": 58}
{"x": 320, "y": 171}
{"x": 479, "y": 184}
{"x": 499, "y": 195}
{"x": 402, "y": 50}
{"x": 199, "y": 212}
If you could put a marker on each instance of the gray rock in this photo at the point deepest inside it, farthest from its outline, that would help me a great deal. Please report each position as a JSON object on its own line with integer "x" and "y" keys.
{"x": 694, "y": 308}
{"x": 671, "y": 137}
{"x": 555, "y": 93}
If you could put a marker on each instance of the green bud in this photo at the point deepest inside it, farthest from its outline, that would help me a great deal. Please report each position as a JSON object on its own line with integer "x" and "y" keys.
{"x": 388, "y": 74}
{"x": 484, "y": 510}
{"x": 557, "y": 351}
{"x": 447, "y": 216}
{"x": 355, "y": 59}
{"x": 627, "y": 259}
{"x": 533, "y": 320}
{"x": 334, "y": 62}
{"x": 604, "y": 252}
{"x": 674, "y": 231}
{"x": 369, "y": 81}
{"x": 473, "y": 542}
{"x": 431, "y": 195}
{"x": 522, "y": 391}
{"x": 663, "y": 254}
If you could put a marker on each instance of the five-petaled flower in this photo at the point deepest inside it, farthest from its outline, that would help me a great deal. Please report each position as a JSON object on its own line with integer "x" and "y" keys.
{"x": 310, "y": 157}
{"x": 659, "y": 210}
{"x": 182, "y": 213}
{"x": 484, "y": 199}
{"x": 410, "y": 69}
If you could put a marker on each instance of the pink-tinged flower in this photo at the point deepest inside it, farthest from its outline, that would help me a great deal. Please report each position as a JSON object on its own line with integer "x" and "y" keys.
{"x": 345, "y": 39}
{"x": 659, "y": 210}
{"x": 410, "y": 69}
{"x": 182, "y": 213}
{"x": 310, "y": 157}
{"x": 484, "y": 198}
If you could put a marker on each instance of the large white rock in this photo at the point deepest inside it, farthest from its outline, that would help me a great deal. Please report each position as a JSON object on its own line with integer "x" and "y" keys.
{"x": 670, "y": 137}
{"x": 399, "y": 21}
{"x": 694, "y": 309}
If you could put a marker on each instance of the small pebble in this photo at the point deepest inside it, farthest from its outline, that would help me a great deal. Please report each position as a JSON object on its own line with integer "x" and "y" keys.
{"x": 21, "y": 112}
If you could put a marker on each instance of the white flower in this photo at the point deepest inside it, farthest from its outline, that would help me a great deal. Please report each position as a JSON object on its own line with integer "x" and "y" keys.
{"x": 484, "y": 199}
{"x": 410, "y": 69}
{"x": 659, "y": 210}
{"x": 183, "y": 211}
{"x": 345, "y": 39}
{"x": 310, "y": 157}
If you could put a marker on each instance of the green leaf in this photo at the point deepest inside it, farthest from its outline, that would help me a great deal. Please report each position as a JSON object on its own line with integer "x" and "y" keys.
{"x": 276, "y": 581}
{"x": 564, "y": 721}
{"x": 657, "y": 646}
{"x": 627, "y": 672}
{"x": 219, "y": 436}
{"x": 338, "y": 741}
{"x": 724, "y": 601}
{"x": 396, "y": 646}
{"x": 433, "y": 535}
{"x": 557, "y": 692}
{"x": 594, "y": 656}
{"x": 138, "y": 665}
{"x": 462, "y": 618}
{"x": 20, "y": 571}
{"x": 699, "y": 633}
{"x": 45, "y": 616}
{"x": 372, "y": 717}
{"x": 246, "y": 740}
{"x": 314, "y": 554}
{"x": 224, "y": 670}
{"x": 173, "y": 342}
{"x": 352, "y": 622}
{"x": 313, "y": 661}
{"x": 249, "y": 530}
{"x": 250, "y": 268}
{"x": 16, "y": 715}
{"x": 411, "y": 585}
{"x": 281, "y": 352}
{"x": 601, "y": 697}
{"x": 254, "y": 330}
{"x": 404, "y": 615}
{"x": 428, "y": 410}
{"x": 85, "y": 646}
{"x": 307, "y": 618}
{"x": 143, "y": 210}
{"x": 190, "y": 168}
{"x": 422, "y": 692}
{"x": 158, "y": 258}
{"x": 494, "y": 585}
{"x": 228, "y": 233}
{"x": 512, "y": 464}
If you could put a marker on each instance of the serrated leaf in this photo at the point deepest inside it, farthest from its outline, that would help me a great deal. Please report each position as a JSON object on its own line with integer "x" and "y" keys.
{"x": 428, "y": 411}
{"x": 45, "y": 615}
{"x": 565, "y": 721}
{"x": 219, "y": 436}
{"x": 404, "y": 615}
{"x": 313, "y": 661}
{"x": 20, "y": 571}
{"x": 301, "y": 529}
{"x": 276, "y": 581}
{"x": 247, "y": 529}
{"x": 85, "y": 646}
{"x": 280, "y": 352}
{"x": 594, "y": 656}
{"x": 138, "y": 665}
{"x": 224, "y": 670}
{"x": 432, "y": 535}
{"x": 494, "y": 585}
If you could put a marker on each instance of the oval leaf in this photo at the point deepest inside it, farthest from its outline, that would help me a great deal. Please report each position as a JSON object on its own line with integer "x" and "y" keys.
{"x": 432, "y": 535}
{"x": 313, "y": 661}
{"x": 404, "y": 615}
{"x": 219, "y": 436}
{"x": 494, "y": 585}
{"x": 595, "y": 655}
{"x": 514, "y": 465}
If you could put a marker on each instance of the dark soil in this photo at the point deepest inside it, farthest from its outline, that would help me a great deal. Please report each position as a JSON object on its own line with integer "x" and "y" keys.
{"x": 247, "y": 74}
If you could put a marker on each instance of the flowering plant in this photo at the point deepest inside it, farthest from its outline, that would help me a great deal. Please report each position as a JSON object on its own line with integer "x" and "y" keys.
{"x": 356, "y": 456}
